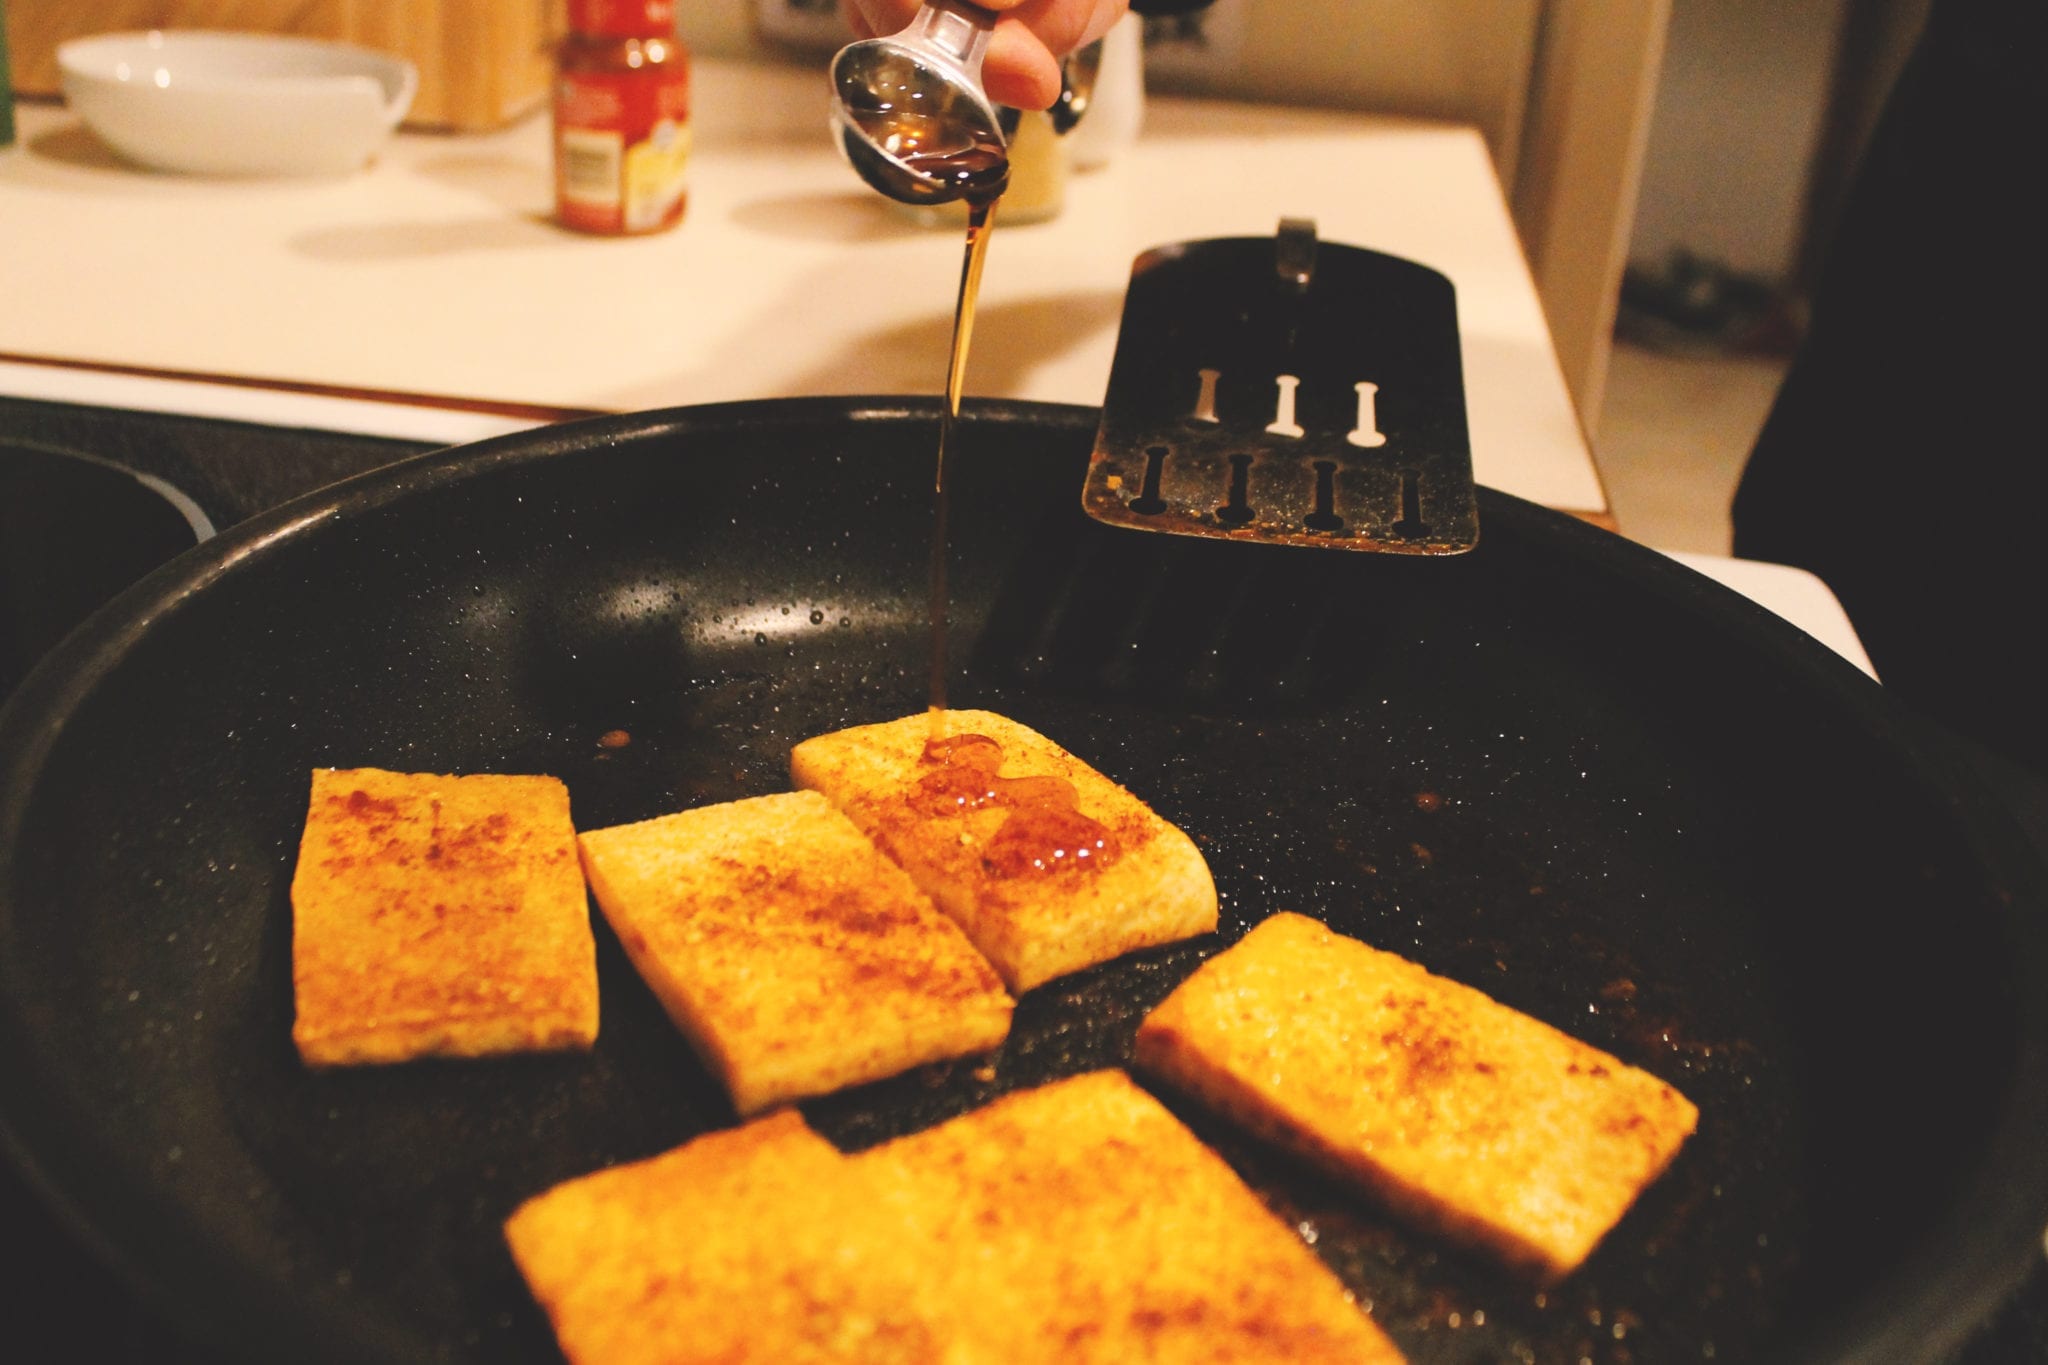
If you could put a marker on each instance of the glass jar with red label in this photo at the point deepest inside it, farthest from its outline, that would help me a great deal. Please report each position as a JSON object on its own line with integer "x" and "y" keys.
{"x": 622, "y": 118}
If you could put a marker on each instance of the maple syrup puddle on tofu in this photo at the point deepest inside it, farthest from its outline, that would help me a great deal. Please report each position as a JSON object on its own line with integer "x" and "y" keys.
{"x": 1044, "y": 832}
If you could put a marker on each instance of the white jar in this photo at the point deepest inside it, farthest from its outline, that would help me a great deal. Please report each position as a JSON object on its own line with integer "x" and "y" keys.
{"x": 1116, "y": 108}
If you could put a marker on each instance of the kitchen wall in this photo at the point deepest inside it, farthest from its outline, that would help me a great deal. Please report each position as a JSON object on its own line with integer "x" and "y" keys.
{"x": 1466, "y": 60}
{"x": 1762, "y": 111}
{"x": 1739, "y": 115}
{"x": 1761, "y": 106}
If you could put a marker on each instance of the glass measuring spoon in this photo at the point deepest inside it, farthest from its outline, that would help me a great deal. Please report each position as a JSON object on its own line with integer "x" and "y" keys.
{"x": 910, "y": 112}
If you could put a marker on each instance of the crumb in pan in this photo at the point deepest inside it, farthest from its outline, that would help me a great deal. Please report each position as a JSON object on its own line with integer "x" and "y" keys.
{"x": 1469, "y": 1118}
{"x": 438, "y": 915}
{"x": 1048, "y": 865}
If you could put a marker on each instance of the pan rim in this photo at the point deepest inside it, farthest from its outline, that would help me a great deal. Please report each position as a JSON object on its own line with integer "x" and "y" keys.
{"x": 1920, "y": 1300}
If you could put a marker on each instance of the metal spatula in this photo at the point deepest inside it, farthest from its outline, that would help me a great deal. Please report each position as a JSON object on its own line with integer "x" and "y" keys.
{"x": 1288, "y": 391}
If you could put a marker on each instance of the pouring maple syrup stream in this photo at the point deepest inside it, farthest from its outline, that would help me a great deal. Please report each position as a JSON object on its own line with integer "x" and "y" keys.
{"x": 915, "y": 123}
{"x": 928, "y": 157}
{"x": 980, "y": 227}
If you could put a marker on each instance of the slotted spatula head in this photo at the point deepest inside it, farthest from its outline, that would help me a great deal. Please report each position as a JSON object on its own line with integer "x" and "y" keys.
{"x": 1287, "y": 391}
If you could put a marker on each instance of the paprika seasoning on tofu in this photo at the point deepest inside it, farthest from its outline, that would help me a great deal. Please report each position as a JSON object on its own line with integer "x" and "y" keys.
{"x": 622, "y": 118}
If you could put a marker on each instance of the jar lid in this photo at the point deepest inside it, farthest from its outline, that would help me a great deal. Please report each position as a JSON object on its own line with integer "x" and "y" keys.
{"x": 623, "y": 18}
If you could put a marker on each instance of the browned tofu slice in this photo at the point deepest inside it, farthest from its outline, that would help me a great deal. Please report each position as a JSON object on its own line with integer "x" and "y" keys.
{"x": 795, "y": 957}
{"x": 1468, "y": 1117}
{"x": 1081, "y": 1222}
{"x": 439, "y": 915}
{"x": 752, "y": 1244}
{"x": 1047, "y": 864}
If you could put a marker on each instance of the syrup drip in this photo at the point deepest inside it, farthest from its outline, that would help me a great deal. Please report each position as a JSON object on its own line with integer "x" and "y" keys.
{"x": 1044, "y": 832}
{"x": 980, "y": 226}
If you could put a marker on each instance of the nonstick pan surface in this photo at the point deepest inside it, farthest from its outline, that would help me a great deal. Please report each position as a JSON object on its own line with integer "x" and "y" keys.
{"x": 1560, "y": 768}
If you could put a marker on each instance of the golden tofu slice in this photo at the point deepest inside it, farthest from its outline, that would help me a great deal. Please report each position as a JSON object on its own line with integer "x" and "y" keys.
{"x": 1047, "y": 864}
{"x": 1466, "y": 1116}
{"x": 795, "y": 957}
{"x": 1081, "y": 1222}
{"x": 439, "y": 915}
{"x": 752, "y": 1244}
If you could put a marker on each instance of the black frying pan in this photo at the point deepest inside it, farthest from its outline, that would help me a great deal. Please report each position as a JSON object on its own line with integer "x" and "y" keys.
{"x": 1591, "y": 783}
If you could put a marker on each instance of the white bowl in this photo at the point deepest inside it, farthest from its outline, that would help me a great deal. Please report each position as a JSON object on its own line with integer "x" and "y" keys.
{"x": 236, "y": 103}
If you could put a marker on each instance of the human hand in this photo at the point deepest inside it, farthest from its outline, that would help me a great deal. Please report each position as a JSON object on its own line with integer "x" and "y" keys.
{"x": 1022, "y": 68}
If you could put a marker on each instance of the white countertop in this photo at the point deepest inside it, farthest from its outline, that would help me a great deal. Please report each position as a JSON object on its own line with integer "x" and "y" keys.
{"x": 436, "y": 274}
